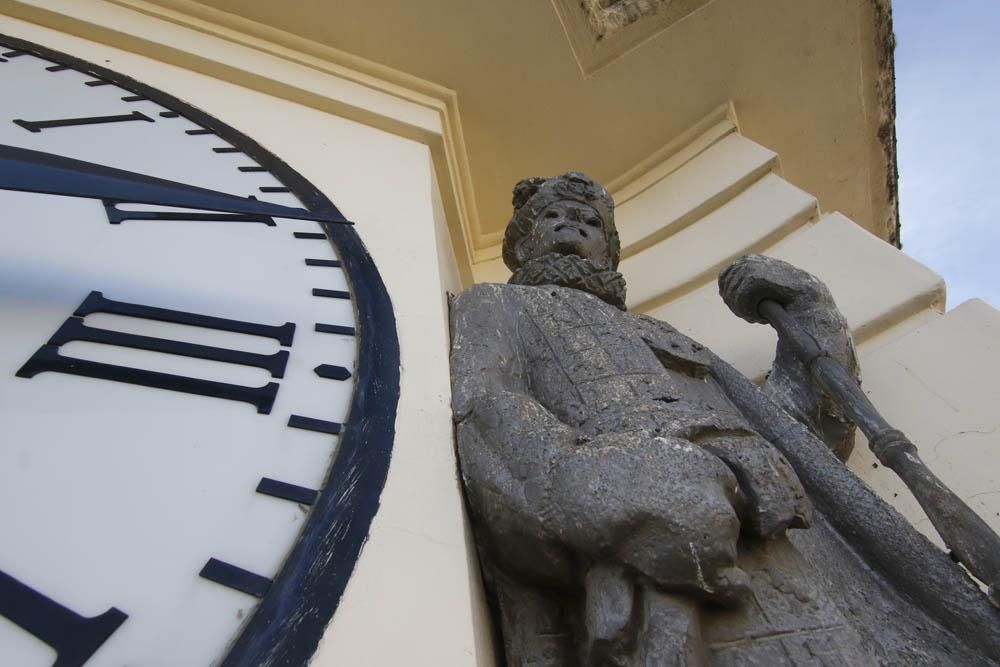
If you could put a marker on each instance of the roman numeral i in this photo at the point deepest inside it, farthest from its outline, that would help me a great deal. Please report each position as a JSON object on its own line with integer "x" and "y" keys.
{"x": 74, "y": 637}
{"x": 49, "y": 359}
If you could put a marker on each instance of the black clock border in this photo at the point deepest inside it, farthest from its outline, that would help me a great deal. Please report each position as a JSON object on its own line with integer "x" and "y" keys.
{"x": 288, "y": 623}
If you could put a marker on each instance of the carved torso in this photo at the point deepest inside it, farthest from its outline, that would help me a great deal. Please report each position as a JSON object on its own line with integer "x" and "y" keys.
{"x": 604, "y": 371}
{"x": 577, "y": 424}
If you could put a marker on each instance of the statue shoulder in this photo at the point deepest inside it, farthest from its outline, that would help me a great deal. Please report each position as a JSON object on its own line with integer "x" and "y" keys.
{"x": 483, "y": 323}
{"x": 480, "y": 301}
{"x": 489, "y": 302}
{"x": 496, "y": 294}
{"x": 479, "y": 292}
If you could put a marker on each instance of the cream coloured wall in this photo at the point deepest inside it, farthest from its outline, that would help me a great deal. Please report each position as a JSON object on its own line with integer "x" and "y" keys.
{"x": 936, "y": 382}
{"x": 415, "y": 595}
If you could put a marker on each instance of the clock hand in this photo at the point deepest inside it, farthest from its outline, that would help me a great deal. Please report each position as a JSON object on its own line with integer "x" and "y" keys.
{"x": 33, "y": 171}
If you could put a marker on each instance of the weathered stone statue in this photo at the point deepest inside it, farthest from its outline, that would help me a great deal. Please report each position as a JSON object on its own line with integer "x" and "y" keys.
{"x": 628, "y": 501}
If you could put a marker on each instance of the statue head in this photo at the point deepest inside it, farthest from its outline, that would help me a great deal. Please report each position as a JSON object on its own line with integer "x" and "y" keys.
{"x": 569, "y": 214}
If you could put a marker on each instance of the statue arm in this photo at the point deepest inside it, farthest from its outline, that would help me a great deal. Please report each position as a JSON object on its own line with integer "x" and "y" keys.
{"x": 773, "y": 496}
{"x": 507, "y": 440}
{"x": 752, "y": 278}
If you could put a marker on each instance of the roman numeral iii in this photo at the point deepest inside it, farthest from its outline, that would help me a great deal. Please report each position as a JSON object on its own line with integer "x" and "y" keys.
{"x": 49, "y": 359}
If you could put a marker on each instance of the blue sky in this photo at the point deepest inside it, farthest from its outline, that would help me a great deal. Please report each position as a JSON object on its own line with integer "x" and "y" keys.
{"x": 948, "y": 133}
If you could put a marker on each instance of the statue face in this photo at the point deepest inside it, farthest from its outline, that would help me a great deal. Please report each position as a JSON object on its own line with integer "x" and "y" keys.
{"x": 569, "y": 228}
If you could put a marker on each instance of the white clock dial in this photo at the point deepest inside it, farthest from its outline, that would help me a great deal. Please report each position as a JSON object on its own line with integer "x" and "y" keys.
{"x": 174, "y": 387}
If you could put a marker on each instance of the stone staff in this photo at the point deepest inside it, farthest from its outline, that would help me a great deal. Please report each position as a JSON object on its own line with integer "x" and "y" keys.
{"x": 970, "y": 539}
{"x": 887, "y": 541}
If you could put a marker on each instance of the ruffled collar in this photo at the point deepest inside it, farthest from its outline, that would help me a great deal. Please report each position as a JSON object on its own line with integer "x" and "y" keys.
{"x": 574, "y": 272}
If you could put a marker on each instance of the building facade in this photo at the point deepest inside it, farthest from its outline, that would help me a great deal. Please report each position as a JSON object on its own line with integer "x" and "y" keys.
{"x": 720, "y": 128}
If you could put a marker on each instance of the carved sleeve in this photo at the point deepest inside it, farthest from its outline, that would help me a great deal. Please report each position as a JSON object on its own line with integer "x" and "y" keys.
{"x": 506, "y": 439}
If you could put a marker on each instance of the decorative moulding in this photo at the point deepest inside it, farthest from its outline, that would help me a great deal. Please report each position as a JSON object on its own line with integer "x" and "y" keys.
{"x": 601, "y": 31}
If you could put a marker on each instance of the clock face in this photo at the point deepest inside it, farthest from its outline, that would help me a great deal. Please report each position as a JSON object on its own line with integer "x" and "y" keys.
{"x": 198, "y": 381}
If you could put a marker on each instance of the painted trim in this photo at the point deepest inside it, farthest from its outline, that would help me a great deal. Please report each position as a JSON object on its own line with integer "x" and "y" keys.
{"x": 287, "y": 625}
{"x": 410, "y": 107}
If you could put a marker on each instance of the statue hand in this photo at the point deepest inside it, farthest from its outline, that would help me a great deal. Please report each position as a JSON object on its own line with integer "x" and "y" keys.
{"x": 772, "y": 495}
{"x": 662, "y": 506}
{"x": 752, "y": 278}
